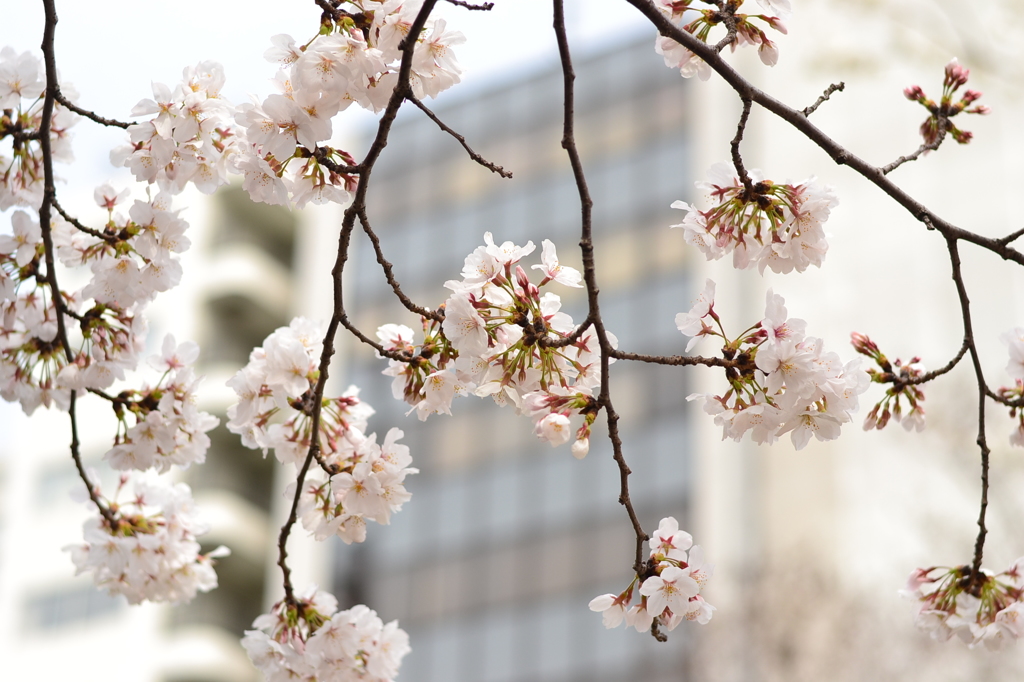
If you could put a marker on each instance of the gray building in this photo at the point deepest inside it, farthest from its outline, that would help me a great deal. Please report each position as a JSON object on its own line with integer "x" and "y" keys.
{"x": 491, "y": 565}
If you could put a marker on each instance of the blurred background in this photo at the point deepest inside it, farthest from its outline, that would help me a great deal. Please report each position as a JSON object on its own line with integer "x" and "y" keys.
{"x": 491, "y": 564}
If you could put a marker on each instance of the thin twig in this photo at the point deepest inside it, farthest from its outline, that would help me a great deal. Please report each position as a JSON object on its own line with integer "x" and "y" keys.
{"x": 339, "y": 317}
{"x": 390, "y": 275}
{"x": 835, "y": 87}
{"x": 734, "y": 148}
{"x": 320, "y": 154}
{"x": 590, "y": 277}
{"x": 286, "y": 529}
{"x": 46, "y": 118}
{"x": 573, "y": 337}
{"x": 68, "y": 104}
{"x": 839, "y": 154}
{"x": 965, "y": 312}
{"x": 676, "y": 360}
{"x": 1011, "y": 237}
{"x": 109, "y": 238}
{"x": 482, "y": 6}
{"x": 925, "y": 378}
{"x": 494, "y": 168}
{"x": 920, "y": 150}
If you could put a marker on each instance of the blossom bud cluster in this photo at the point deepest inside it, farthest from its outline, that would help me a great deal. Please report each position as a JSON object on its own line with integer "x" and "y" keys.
{"x": 22, "y": 82}
{"x": 938, "y": 124}
{"x": 978, "y": 608}
{"x": 781, "y": 381}
{"x": 711, "y": 14}
{"x": 768, "y": 224}
{"x": 309, "y": 639}
{"x": 674, "y": 575}
{"x": 152, "y": 552}
{"x": 275, "y": 411}
{"x": 502, "y": 338}
{"x": 898, "y": 374}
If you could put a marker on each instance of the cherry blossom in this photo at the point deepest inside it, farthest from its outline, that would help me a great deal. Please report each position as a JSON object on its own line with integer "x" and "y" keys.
{"x": 152, "y": 554}
{"x": 774, "y": 226}
{"x": 979, "y": 609}
{"x": 308, "y": 638}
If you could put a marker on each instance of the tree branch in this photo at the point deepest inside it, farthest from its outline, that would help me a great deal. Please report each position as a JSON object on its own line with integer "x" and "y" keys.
{"x": 840, "y": 155}
{"x": 52, "y": 90}
{"x": 390, "y": 275}
{"x": 68, "y": 104}
{"x": 494, "y": 168}
{"x": 590, "y": 277}
{"x": 965, "y": 310}
{"x": 835, "y": 87}
{"x": 468, "y": 5}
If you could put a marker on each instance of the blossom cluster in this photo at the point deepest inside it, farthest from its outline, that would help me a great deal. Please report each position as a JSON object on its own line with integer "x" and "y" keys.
{"x": 502, "y": 338}
{"x": 354, "y": 59}
{"x": 982, "y": 608}
{"x": 145, "y": 549}
{"x": 674, "y": 575}
{"x": 778, "y": 226}
{"x": 194, "y": 134}
{"x": 938, "y": 124}
{"x": 275, "y": 411}
{"x": 189, "y": 138}
{"x": 22, "y": 82}
{"x": 168, "y": 429}
{"x": 309, "y": 639}
{"x": 152, "y": 552}
{"x": 702, "y": 19}
{"x": 781, "y": 381}
{"x": 131, "y": 260}
{"x": 899, "y": 374}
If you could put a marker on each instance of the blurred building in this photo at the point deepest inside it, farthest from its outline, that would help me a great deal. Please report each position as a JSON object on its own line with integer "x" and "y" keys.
{"x": 491, "y": 565}
{"x": 239, "y": 286}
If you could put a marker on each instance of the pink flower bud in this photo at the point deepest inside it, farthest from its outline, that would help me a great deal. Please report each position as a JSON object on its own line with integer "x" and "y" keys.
{"x": 970, "y": 96}
{"x": 914, "y": 93}
{"x": 956, "y": 75}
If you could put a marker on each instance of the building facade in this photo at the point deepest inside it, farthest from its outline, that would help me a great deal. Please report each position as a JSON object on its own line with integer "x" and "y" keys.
{"x": 491, "y": 565}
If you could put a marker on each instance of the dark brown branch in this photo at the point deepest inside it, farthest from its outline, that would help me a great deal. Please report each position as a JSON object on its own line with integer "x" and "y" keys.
{"x": 590, "y": 277}
{"x": 329, "y": 8}
{"x": 109, "y": 238}
{"x": 468, "y": 5}
{"x": 339, "y": 317}
{"x": 320, "y": 154}
{"x": 676, "y": 360}
{"x": 67, "y": 104}
{"x": 920, "y": 150}
{"x": 286, "y": 529}
{"x": 835, "y": 87}
{"x": 390, "y": 275}
{"x": 1013, "y": 236}
{"x": 734, "y": 147}
{"x": 839, "y": 154}
{"x": 50, "y": 61}
{"x": 965, "y": 312}
{"x": 494, "y": 168}
{"x": 548, "y": 342}
{"x": 925, "y": 378}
